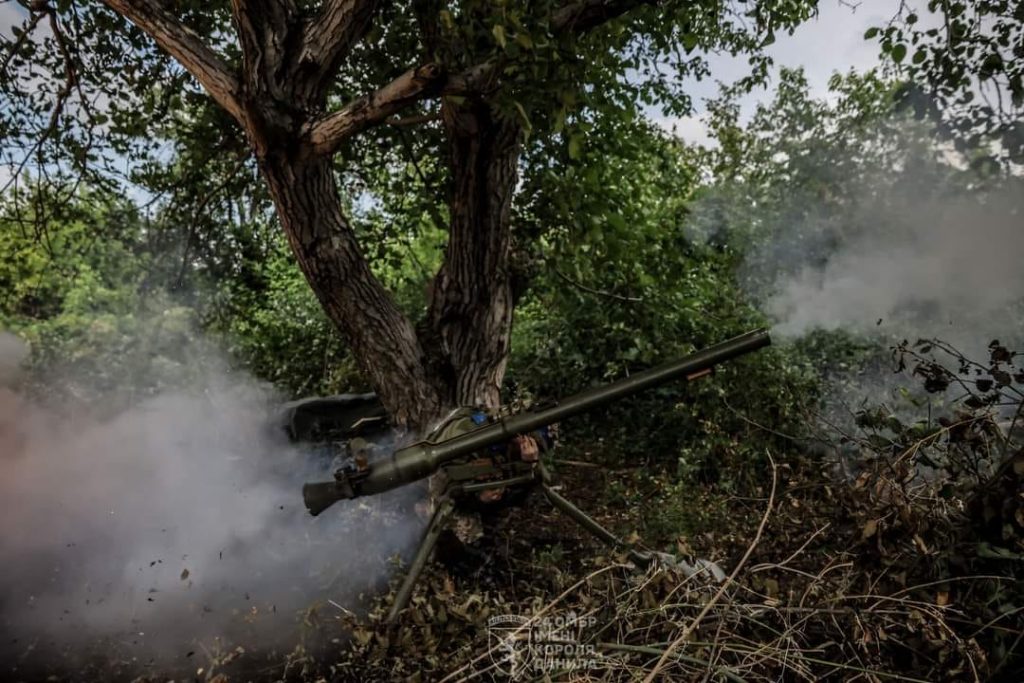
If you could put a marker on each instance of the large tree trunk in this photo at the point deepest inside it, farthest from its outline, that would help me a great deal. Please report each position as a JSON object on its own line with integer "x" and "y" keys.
{"x": 469, "y": 323}
{"x": 459, "y": 354}
{"x": 381, "y": 338}
{"x": 290, "y": 54}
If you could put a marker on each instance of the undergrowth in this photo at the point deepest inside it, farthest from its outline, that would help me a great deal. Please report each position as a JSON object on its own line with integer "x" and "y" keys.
{"x": 908, "y": 570}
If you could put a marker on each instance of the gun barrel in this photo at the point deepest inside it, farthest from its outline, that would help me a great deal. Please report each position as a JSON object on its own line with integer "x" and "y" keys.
{"x": 423, "y": 459}
{"x": 690, "y": 367}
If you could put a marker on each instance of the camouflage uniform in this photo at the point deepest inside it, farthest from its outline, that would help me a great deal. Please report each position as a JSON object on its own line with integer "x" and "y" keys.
{"x": 467, "y": 524}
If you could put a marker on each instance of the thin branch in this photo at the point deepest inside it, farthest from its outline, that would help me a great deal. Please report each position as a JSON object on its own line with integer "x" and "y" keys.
{"x": 435, "y": 213}
{"x": 71, "y": 82}
{"x": 597, "y": 292}
{"x": 726, "y": 672}
{"x": 199, "y": 208}
{"x": 692, "y": 626}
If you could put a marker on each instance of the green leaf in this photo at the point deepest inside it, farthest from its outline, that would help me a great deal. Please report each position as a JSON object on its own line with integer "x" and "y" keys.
{"x": 617, "y": 221}
{"x": 575, "y": 146}
{"x": 899, "y": 52}
{"x": 871, "y": 33}
{"x": 499, "y": 34}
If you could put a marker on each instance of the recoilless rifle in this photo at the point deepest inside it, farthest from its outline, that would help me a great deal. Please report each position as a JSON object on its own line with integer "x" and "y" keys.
{"x": 471, "y": 461}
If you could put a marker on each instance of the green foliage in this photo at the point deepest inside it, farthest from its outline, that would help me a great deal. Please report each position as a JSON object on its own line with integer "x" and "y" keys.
{"x": 624, "y": 282}
{"x": 86, "y": 92}
{"x": 280, "y": 333}
{"x": 966, "y": 73}
{"x": 79, "y": 293}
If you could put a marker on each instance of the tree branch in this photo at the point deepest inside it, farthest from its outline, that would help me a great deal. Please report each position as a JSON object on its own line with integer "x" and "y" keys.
{"x": 187, "y": 47}
{"x": 333, "y": 32}
{"x": 596, "y": 292}
{"x": 328, "y": 132}
{"x": 584, "y": 15}
{"x": 265, "y": 31}
{"x": 415, "y": 120}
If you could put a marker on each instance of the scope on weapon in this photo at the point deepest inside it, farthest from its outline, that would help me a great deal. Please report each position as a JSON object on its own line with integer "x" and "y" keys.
{"x": 422, "y": 459}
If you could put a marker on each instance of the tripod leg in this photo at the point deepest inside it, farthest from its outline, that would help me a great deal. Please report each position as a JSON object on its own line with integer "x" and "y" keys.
{"x": 445, "y": 506}
{"x": 598, "y": 531}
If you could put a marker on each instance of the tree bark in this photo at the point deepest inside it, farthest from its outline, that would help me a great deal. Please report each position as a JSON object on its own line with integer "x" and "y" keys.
{"x": 469, "y": 322}
{"x": 459, "y": 354}
{"x": 382, "y": 339}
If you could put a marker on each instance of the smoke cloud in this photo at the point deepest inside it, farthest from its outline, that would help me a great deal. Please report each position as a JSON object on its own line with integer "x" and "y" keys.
{"x": 13, "y": 353}
{"x": 171, "y": 523}
{"x": 947, "y": 267}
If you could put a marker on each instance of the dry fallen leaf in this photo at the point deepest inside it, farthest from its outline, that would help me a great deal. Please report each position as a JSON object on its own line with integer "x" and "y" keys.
{"x": 921, "y": 544}
{"x": 869, "y": 529}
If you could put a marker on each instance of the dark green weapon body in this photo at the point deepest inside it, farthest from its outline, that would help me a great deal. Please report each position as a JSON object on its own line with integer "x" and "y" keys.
{"x": 420, "y": 460}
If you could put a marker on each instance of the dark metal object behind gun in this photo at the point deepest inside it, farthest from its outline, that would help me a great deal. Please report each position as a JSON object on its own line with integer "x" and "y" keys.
{"x": 420, "y": 460}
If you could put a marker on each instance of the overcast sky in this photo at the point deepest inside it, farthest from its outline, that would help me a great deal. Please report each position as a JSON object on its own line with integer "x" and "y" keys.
{"x": 832, "y": 42}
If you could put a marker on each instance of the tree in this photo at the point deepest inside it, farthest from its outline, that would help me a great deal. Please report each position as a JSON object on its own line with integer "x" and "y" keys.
{"x": 292, "y": 80}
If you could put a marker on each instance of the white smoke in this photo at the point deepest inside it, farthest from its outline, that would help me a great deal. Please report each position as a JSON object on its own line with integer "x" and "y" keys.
{"x": 175, "y": 521}
{"x": 13, "y": 353}
{"x": 921, "y": 267}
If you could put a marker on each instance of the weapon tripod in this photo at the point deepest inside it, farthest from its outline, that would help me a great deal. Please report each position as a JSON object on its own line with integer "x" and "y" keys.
{"x": 465, "y": 479}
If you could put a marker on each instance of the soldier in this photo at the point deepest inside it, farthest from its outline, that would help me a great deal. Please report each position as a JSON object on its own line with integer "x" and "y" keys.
{"x": 467, "y": 525}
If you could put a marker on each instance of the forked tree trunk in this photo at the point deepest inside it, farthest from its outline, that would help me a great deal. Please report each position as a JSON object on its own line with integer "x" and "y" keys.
{"x": 290, "y": 54}
{"x": 458, "y": 354}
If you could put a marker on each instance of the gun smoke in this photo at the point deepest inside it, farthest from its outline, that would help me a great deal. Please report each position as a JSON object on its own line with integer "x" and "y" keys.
{"x": 905, "y": 251}
{"x": 169, "y": 524}
{"x": 941, "y": 266}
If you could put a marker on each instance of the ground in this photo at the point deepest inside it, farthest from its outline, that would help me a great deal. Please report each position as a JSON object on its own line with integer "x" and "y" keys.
{"x": 829, "y": 579}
